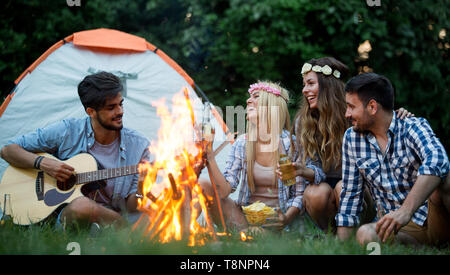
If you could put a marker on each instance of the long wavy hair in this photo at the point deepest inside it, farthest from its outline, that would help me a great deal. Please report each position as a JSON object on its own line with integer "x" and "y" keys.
{"x": 273, "y": 117}
{"x": 320, "y": 131}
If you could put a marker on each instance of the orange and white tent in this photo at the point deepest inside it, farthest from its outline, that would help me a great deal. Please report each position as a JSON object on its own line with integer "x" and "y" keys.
{"x": 46, "y": 91}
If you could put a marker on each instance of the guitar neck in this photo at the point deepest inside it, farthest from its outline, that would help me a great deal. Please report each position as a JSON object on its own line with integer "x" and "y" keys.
{"x": 108, "y": 173}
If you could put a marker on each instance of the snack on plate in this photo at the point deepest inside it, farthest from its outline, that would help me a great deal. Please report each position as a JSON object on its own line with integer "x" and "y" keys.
{"x": 257, "y": 213}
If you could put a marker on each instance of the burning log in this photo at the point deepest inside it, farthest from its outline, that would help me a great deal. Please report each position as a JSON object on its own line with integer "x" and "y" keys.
{"x": 151, "y": 197}
{"x": 157, "y": 226}
{"x": 185, "y": 213}
{"x": 175, "y": 194}
{"x": 209, "y": 222}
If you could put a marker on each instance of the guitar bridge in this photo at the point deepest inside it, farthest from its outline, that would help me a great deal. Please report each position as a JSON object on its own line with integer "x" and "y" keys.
{"x": 40, "y": 186}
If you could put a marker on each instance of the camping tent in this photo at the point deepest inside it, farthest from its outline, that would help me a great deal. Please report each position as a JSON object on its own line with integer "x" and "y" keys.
{"x": 46, "y": 92}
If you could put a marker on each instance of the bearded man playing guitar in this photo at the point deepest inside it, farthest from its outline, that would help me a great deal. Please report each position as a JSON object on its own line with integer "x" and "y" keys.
{"x": 101, "y": 135}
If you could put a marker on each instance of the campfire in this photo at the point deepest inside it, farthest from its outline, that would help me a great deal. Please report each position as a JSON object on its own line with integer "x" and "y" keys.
{"x": 173, "y": 199}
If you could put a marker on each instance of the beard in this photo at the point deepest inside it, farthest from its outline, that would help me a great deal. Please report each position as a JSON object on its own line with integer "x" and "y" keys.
{"x": 364, "y": 124}
{"x": 108, "y": 126}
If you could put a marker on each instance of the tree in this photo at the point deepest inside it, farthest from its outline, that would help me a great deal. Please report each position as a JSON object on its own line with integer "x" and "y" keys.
{"x": 246, "y": 40}
{"x": 29, "y": 27}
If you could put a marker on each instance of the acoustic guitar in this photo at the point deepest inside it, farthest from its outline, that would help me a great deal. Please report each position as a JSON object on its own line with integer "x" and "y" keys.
{"x": 34, "y": 194}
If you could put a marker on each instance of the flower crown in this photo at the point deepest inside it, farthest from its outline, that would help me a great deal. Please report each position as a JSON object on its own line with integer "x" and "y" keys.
{"x": 326, "y": 70}
{"x": 266, "y": 88}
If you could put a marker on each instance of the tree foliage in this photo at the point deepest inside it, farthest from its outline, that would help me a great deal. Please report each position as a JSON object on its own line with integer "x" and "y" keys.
{"x": 225, "y": 45}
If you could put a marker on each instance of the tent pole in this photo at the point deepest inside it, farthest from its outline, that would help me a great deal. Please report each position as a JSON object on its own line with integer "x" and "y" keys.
{"x": 197, "y": 88}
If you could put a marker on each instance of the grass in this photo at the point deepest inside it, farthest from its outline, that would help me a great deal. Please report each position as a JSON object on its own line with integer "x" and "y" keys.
{"x": 45, "y": 239}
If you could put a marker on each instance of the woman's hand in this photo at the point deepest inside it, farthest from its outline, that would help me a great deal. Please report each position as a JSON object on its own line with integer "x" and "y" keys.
{"x": 205, "y": 135}
{"x": 277, "y": 223}
{"x": 402, "y": 113}
{"x": 297, "y": 166}
{"x": 300, "y": 169}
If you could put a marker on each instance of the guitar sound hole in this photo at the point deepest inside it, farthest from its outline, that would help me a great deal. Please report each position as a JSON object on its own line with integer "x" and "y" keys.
{"x": 67, "y": 185}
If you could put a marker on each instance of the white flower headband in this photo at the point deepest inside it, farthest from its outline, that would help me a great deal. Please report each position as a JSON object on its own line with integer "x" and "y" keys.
{"x": 326, "y": 70}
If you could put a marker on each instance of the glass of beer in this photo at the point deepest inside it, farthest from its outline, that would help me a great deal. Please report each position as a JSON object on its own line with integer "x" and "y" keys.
{"x": 288, "y": 171}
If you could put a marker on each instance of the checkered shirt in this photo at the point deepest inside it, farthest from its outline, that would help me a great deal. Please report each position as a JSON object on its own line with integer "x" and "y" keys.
{"x": 412, "y": 150}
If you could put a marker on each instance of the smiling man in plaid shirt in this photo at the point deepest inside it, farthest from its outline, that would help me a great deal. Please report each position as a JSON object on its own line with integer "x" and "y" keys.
{"x": 403, "y": 164}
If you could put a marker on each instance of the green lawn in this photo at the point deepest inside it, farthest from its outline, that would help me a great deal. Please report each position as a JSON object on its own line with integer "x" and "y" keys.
{"x": 44, "y": 239}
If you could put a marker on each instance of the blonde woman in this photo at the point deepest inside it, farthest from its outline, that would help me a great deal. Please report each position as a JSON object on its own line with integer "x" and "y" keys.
{"x": 253, "y": 159}
{"x": 319, "y": 127}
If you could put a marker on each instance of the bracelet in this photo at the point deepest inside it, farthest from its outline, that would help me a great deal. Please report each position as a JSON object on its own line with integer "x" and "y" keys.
{"x": 37, "y": 162}
{"x": 139, "y": 196}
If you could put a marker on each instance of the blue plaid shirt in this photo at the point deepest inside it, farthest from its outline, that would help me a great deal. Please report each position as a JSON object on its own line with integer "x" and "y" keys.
{"x": 236, "y": 173}
{"x": 412, "y": 150}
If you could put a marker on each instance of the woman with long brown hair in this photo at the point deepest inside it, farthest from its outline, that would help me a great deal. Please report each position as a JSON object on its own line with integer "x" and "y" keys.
{"x": 319, "y": 127}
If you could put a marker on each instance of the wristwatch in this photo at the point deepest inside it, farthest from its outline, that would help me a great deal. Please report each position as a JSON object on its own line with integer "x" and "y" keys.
{"x": 139, "y": 196}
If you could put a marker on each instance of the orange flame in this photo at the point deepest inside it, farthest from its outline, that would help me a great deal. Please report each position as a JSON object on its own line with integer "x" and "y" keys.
{"x": 243, "y": 237}
{"x": 173, "y": 204}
